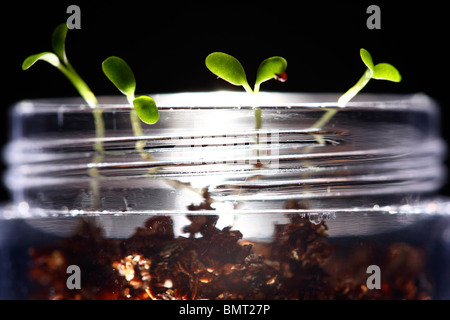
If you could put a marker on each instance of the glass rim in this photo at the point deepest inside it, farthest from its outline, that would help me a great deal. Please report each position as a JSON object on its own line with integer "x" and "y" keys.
{"x": 237, "y": 100}
{"x": 381, "y": 147}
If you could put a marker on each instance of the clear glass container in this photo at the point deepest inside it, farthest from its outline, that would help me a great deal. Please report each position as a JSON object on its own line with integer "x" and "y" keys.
{"x": 202, "y": 205}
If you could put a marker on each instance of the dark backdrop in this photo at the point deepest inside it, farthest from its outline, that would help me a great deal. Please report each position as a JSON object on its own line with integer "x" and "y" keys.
{"x": 166, "y": 45}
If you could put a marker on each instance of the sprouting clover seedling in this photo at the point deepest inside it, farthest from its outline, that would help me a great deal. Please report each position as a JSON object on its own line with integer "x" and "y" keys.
{"x": 58, "y": 59}
{"x": 380, "y": 71}
{"x": 230, "y": 69}
{"x": 144, "y": 107}
{"x": 121, "y": 75}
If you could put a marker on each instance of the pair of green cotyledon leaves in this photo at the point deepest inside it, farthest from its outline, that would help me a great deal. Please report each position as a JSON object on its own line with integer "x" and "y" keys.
{"x": 221, "y": 64}
{"x": 230, "y": 69}
{"x": 115, "y": 68}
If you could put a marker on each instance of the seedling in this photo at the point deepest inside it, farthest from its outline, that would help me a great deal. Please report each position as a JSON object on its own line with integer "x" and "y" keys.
{"x": 230, "y": 69}
{"x": 121, "y": 75}
{"x": 58, "y": 59}
{"x": 144, "y": 107}
{"x": 380, "y": 71}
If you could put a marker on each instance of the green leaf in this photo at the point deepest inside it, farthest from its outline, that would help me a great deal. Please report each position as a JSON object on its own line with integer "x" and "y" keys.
{"x": 227, "y": 67}
{"x": 120, "y": 74}
{"x": 270, "y": 68}
{"x": 49, "y": 57}
{"x": 146, "y": 109}
{"x": 366, "y": 58}
{"x": 381, "y": 71}
{"x": 58, "y": 42}
{"x": 386, "y": 71}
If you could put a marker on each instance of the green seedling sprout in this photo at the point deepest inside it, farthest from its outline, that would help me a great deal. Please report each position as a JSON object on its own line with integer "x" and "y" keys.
{"x": 58, "y": 59}
{"x": 380, "y": 71}
{"x": 230, "y": 69}
{"x": 144, "y": 107}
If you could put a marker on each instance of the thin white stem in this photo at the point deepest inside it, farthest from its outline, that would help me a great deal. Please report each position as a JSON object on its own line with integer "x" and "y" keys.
{"x": 91, "y": 100}
{"x": 353, "y": 91}
{"x": 344, "y": 99}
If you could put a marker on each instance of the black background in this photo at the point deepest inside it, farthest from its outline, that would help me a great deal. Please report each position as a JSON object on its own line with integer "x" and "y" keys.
{"x": 166, "y": 44}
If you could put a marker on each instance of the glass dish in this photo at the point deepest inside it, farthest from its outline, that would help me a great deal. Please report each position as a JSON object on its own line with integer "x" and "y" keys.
{"x": 203, "y": 205}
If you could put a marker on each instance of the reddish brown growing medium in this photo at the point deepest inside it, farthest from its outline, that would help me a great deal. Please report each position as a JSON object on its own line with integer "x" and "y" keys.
{"x": 218, "y": 264}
